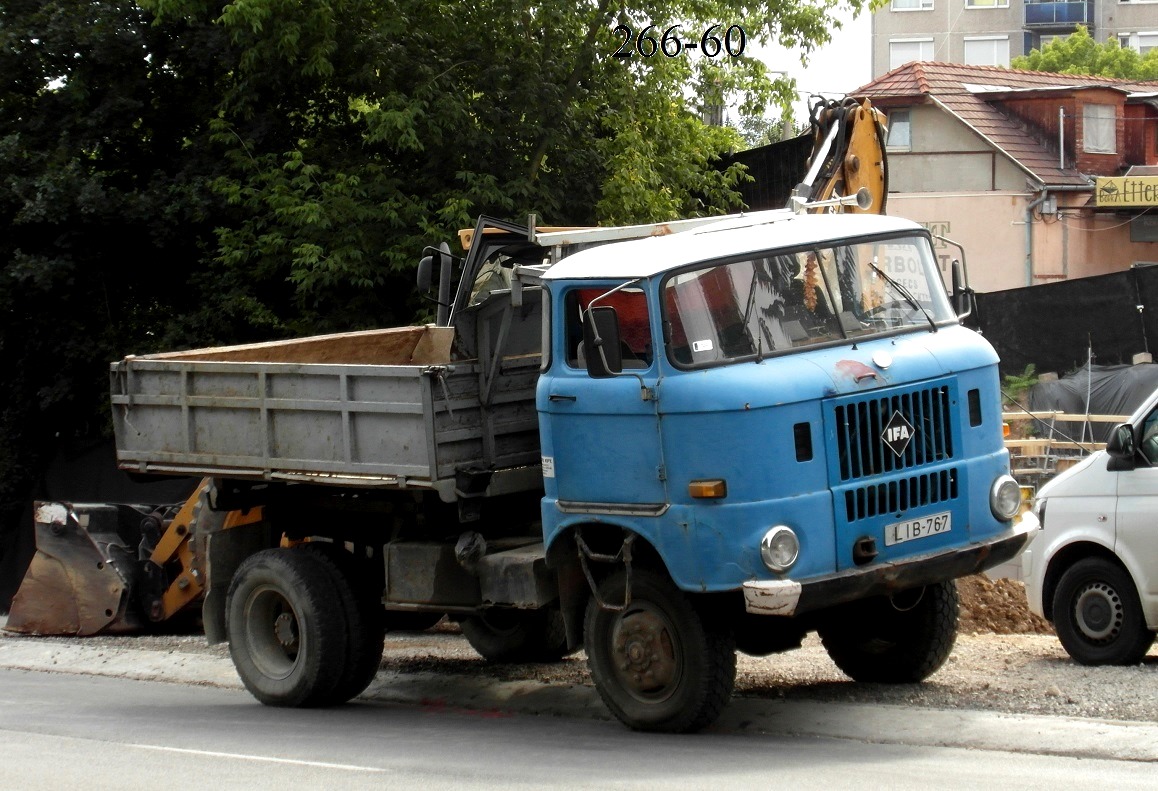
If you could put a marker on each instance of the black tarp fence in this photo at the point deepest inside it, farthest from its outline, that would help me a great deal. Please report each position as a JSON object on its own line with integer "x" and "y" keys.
{"x": 1055, "y": 326}
{"x": 1093, "y": 390}
{"x": 775, "y": 170}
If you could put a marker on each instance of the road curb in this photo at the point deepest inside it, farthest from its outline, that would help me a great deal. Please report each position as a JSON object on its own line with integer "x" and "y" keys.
{"x": 874, "y": 724}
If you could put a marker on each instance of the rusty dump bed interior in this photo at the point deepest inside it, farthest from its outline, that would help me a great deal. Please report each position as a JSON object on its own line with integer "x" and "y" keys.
{"x": 428, "y": 345}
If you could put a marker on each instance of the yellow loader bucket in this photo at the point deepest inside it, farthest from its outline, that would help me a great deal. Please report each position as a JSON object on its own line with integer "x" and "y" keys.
{"x": 86, "y": 574}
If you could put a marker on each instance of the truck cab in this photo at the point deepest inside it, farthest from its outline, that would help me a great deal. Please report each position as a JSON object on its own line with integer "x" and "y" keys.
{"x": 806, "y": 373}
{"x": 782, "y": 417}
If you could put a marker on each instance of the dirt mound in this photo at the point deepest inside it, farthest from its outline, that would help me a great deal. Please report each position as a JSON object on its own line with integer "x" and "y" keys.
{"x": 997, "y": 607}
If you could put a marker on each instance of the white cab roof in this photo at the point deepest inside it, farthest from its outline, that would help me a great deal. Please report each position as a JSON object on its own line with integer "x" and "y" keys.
{"x": 733, "y": 236}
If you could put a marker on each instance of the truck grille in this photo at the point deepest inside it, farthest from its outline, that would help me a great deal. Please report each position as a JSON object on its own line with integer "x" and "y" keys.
{"x": 860, "y": 425}
{"x": 873, "y": 478}
{"x": 900, "y": 495}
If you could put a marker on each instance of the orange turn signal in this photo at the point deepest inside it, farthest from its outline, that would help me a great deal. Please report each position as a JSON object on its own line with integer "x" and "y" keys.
{"x": 1005, "y": 430}
{"x": 708, "y": 490}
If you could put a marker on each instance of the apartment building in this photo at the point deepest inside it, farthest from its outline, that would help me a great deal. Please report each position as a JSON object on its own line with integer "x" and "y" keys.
{"x": 992, "y": 32}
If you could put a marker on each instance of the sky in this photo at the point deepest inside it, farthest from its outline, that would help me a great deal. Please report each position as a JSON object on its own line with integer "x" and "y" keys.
{"x": 841, "y": 66}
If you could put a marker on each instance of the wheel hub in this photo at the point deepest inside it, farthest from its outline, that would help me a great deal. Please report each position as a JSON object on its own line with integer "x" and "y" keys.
{"x": 1099, "y": 612}
{"x": 644, "y": 655}
{"x": 284, "y": 629}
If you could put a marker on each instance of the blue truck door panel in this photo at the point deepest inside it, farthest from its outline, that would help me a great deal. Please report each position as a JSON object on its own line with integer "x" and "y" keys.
{"x": 606, "y": 440}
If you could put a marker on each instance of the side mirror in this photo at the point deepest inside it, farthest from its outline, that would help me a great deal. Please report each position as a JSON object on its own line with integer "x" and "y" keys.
{"x": 425, "y": 276}
{"x": 1120, "y": 447}
{"x": 962, "y": 294}
{"x": 441, "y": 259}
{"x": 601, "y": 339}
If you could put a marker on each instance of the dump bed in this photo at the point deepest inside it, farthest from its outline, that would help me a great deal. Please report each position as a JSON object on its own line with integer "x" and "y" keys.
{"x": 377, "y": 408}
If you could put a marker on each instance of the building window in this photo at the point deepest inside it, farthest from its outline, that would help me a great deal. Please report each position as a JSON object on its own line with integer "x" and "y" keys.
{"x": 901, "y": 51}
{"x": 1098, "y": 129}
{"x": 912, "y": 5}
{"x": 1142, "y": 42}
{"x": 987, "y": 3}
{"x": 987, "y": 51}
{"x": 900, "y": 131}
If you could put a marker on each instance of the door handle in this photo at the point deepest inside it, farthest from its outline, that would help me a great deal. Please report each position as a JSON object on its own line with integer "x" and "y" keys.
{"x": 559, "y": 397}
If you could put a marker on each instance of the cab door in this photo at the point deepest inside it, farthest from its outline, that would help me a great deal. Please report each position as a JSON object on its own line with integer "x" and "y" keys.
{"x": 601, "y": 437}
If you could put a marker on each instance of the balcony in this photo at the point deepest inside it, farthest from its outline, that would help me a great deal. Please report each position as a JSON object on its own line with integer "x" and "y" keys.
{"x": 1059, "y": 16}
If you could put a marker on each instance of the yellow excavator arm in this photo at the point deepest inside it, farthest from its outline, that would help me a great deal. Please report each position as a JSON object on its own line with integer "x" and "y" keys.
{"x": 848, "y": 155}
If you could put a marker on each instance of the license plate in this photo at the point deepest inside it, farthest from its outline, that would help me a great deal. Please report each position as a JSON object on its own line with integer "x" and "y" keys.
{"x": 912, "y": 529}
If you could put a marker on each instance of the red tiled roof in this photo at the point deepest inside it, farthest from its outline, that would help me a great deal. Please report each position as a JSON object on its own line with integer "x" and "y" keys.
{"x": 948, "y": 85}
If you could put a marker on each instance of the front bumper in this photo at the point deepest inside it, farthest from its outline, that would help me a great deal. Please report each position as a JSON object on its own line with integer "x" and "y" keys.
{"x": 789, "y": 597}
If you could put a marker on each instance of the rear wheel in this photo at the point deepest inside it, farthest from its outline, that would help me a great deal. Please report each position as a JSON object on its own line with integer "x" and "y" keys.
{"x": 1098, "y": 616}
{"x": 656, "y": 664}
{"x": 510, "y": 636}
{"x": 286, "y": 628}
{"x": 364, "y": 619}
{"x": 894, "y": 639}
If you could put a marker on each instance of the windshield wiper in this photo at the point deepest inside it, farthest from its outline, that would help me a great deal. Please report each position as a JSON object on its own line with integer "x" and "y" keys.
{"x": 904, "y": 292}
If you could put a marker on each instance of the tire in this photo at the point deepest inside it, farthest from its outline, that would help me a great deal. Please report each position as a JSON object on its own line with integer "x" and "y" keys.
{"x": 286, "y": 628}
{"x": 897, "y": 639}
{"x": 1098, "y": 616}
{"x": 404, "y": 621}
{"x": 365, "y": 631}
{"x": 656, "y": 664}
{"x": 512, "y": 636}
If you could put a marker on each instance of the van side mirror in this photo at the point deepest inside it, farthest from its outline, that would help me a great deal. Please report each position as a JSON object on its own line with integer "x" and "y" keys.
{"x": 601, "y": 339}
{"x": 1120, "y": 448}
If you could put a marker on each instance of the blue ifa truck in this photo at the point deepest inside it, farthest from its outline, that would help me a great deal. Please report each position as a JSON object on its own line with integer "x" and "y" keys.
{"x": 717, "y": 436}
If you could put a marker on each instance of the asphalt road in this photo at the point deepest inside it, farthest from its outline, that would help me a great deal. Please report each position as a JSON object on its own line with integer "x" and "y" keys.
{"x": 67, "y": 731}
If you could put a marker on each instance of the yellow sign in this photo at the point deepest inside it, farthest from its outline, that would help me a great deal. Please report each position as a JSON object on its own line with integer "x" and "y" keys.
{"x": 1126, "y": 191}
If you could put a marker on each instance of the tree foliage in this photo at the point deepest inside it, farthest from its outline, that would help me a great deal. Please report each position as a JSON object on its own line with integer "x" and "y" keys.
{"x": 1078, "y": 53}
{"x": 183, "y": 172}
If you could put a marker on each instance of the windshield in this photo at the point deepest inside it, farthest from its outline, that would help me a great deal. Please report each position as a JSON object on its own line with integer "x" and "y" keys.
{"x": 776, "y": 302}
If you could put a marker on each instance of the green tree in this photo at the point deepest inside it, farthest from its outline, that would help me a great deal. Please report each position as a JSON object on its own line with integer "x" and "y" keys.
{"x": 182, "y": 172}
{"x": 1078, "y": 53}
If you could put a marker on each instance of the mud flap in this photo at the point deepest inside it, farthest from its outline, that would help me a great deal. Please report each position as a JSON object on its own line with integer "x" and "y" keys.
{"x": 84, "y": 575}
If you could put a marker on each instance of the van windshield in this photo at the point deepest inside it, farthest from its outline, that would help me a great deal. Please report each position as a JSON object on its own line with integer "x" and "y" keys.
{"x": 777, "y": 302}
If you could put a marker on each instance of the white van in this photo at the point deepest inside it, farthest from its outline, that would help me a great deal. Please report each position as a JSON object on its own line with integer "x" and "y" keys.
{"x": 1093, "y": 570}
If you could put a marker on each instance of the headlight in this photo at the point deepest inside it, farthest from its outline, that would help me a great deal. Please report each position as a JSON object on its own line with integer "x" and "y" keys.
{"x": 1005, "y": 498}
{"x": 780, "y": 548}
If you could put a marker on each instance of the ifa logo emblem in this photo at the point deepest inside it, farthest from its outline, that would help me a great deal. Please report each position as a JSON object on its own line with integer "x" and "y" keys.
{"x": 897, "y": 434}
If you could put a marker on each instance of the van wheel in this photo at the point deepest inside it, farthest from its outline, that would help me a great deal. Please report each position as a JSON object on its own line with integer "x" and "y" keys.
{"x": 895, "y": 639}
{"x": 657, "y": 665}
{"x": 512, "y": 636}
{"x": 1097, "y": 614}
{"x": 286, "y": 628}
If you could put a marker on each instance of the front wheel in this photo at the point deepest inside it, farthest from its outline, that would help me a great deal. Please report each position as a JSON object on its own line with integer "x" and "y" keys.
{"x": 287, "y": 628}
{"x": 894, "y": 639}
{"x": 656, "y": 664}
{"x": 1098, "y": 616}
